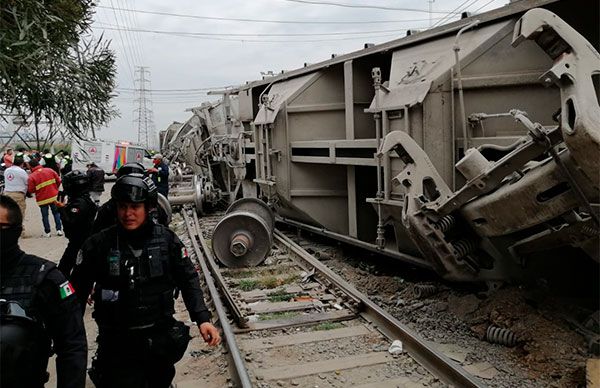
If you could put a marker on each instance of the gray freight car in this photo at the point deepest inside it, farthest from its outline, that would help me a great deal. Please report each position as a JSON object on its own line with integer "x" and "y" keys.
{"x": 466, "y": 148}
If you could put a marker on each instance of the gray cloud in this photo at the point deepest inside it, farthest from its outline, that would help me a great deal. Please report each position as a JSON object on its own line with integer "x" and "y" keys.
{"x": 179, "y": 62}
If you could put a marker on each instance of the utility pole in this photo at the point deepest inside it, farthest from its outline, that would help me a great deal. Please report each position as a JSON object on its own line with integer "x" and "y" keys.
{"x": 144, "y": 117}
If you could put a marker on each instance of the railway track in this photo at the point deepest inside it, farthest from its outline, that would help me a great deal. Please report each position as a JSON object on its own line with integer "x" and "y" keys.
{"x": 294, "y": 322}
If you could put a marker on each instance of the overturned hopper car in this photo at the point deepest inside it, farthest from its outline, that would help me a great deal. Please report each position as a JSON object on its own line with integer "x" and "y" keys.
{"x": 468, "y": 148}
{"x": 211, "y": 145}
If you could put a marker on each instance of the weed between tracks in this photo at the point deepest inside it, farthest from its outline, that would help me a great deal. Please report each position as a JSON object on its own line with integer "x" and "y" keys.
{"x": 281, "y": 315}
{"x": 328, "y": 326}
{"x": 265, "y": 283}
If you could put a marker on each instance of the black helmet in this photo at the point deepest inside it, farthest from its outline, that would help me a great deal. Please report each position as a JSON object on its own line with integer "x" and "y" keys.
{"x": 24, "y": 347}
{"x": 76, "y": 182}
{"x": 135, "y": 188}
{"x": 131, "y": 168}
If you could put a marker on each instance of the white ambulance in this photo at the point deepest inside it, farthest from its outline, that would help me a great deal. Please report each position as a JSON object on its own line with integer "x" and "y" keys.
{"x": 108, "y": 155}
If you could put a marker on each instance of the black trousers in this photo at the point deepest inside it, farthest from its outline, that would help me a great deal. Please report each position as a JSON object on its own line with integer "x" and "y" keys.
{"x": 128, "y": 361}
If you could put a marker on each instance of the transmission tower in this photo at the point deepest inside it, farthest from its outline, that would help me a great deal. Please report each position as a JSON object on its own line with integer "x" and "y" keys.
{"x": 144, "y": 117}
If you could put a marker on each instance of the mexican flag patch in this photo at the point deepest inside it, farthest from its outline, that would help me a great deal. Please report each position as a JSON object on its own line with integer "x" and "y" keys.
{"x": 184, "y": 253}
{"x": 66, "y": 290}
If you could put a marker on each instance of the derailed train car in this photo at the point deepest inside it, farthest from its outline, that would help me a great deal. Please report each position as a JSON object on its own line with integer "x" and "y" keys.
{"x": 469, "y": 148}
{"x": 210, "y": 145}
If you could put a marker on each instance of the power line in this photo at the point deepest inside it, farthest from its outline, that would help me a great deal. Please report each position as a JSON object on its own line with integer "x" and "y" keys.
{"x": 364, "y": 6}
{"x": 134, "y": 52}
{"x": 134, "y": 36}
{"x": 249, "y": 20}
{"x": 125, "y": 51}
{"x": 206, "y": 89}
{"x": 234, "y": 34}
{"x": 136, "y": 24}
{"x": 184, "y": 35}
{"x": 453, "y": 12}
{"x": 483, "y": 6}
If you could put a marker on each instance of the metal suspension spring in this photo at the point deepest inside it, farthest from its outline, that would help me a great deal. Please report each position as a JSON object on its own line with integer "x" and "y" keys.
{"x": 497, "y": 335}
{"x": 422, "y": 291}
{"x": 590, "y": 230}
{"x": 464, "y": 247}
{"x": 446, "y": 223}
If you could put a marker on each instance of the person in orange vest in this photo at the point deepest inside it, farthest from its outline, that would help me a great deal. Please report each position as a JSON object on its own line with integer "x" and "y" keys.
{"x": 44, "y": 182}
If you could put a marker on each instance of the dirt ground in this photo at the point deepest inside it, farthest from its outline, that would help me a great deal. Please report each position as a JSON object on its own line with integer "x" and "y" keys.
{"x": 192, "y": 370}
{"x": 548, "y": 352}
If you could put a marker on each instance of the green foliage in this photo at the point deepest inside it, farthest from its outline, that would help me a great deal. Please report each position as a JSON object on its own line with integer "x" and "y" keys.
{"x": 247, "y": 284}
{"x": 280, "y": 296}
{"x": 281, "y": 315}
{"x": 50, "y": 67}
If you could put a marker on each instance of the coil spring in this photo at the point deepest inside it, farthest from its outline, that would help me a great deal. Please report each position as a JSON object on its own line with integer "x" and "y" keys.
{"x": 464, "y": 247}
{"x": 446, "y": 223}
{"x": 497, "y": 335}
{"x": 590, "y": 230}
{"x": 424, "y": 290}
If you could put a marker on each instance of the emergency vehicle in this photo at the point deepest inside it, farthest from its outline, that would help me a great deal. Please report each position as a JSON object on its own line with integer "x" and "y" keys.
{"x": 108, "y": 155}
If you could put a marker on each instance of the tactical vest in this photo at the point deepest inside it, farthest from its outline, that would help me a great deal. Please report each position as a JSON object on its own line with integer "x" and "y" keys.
{"x": 20, "y": 283}
{"x": 74, "y": 226}
{"x": 25, "y": 345}
{"x": 141, "y": 295}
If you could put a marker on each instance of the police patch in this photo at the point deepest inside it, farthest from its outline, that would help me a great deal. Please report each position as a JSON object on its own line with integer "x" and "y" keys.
{"x": 66, "y": 290}
{"x": 74, "y": 210}
{"x": 184, "y": 253}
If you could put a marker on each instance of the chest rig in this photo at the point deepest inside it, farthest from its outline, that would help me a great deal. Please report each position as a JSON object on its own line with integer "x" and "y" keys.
{"x": 19, "y": 284}
{"x": 136, "y": 289}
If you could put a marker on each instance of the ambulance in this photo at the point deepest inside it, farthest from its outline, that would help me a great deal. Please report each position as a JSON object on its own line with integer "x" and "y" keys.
{"x": 108, "y": 155}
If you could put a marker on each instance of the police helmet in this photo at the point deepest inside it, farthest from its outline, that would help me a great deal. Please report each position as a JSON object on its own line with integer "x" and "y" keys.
{"x": 23, "y": 345}
{"x": 135, "y": 188}
{"x": 76, "y": 182}
{"x": 130, "y": 168}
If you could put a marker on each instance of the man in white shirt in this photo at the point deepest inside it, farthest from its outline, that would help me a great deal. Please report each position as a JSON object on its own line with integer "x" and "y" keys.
{"x": 15, "y": 182}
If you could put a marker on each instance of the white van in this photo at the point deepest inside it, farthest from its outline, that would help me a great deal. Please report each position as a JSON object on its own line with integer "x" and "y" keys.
{"x": 108, "y": 155}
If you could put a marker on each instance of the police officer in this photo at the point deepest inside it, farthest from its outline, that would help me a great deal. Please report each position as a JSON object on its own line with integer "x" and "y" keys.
{"x": 107, "y": 213}
{"x": 160, "y": 175}
{"x": 136, "y": 266}
{"x": 37, "y": 306}
{"x": 77, "y": 217}
{"x": 66, "y": 165}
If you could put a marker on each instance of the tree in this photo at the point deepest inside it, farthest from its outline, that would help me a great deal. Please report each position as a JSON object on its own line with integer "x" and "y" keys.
{"x": 51, "y": 69}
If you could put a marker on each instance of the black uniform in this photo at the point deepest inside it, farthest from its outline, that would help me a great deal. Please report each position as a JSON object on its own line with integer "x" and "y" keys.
{"x": 47, "y": 297}
{"x": 96, "y": 175}
{"x": 135, "y": 274}
{"x": 77, "y": 218}
{"x": 67, "y": 168}
{"x": 107, "y": 216}
{"x": 161, "y": 178}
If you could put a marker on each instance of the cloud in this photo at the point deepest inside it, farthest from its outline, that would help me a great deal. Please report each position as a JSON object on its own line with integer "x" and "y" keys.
{"x": 177, "y": 62}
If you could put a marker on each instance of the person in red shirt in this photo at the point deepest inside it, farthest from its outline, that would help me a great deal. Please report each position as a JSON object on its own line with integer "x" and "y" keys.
{"x": 44, "y": 182}
{"x": 7, "y": 159}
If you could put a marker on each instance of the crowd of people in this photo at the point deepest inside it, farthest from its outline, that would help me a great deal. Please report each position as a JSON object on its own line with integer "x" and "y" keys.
{"x": 119, "y": 258}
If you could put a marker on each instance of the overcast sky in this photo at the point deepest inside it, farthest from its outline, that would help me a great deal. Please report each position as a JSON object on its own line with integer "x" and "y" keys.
{"x": 184, "y": 62}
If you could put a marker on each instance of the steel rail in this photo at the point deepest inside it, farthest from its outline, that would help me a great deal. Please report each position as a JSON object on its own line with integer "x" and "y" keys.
{"x": 240, "y": 374}
{"x": 435, "y": 362}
